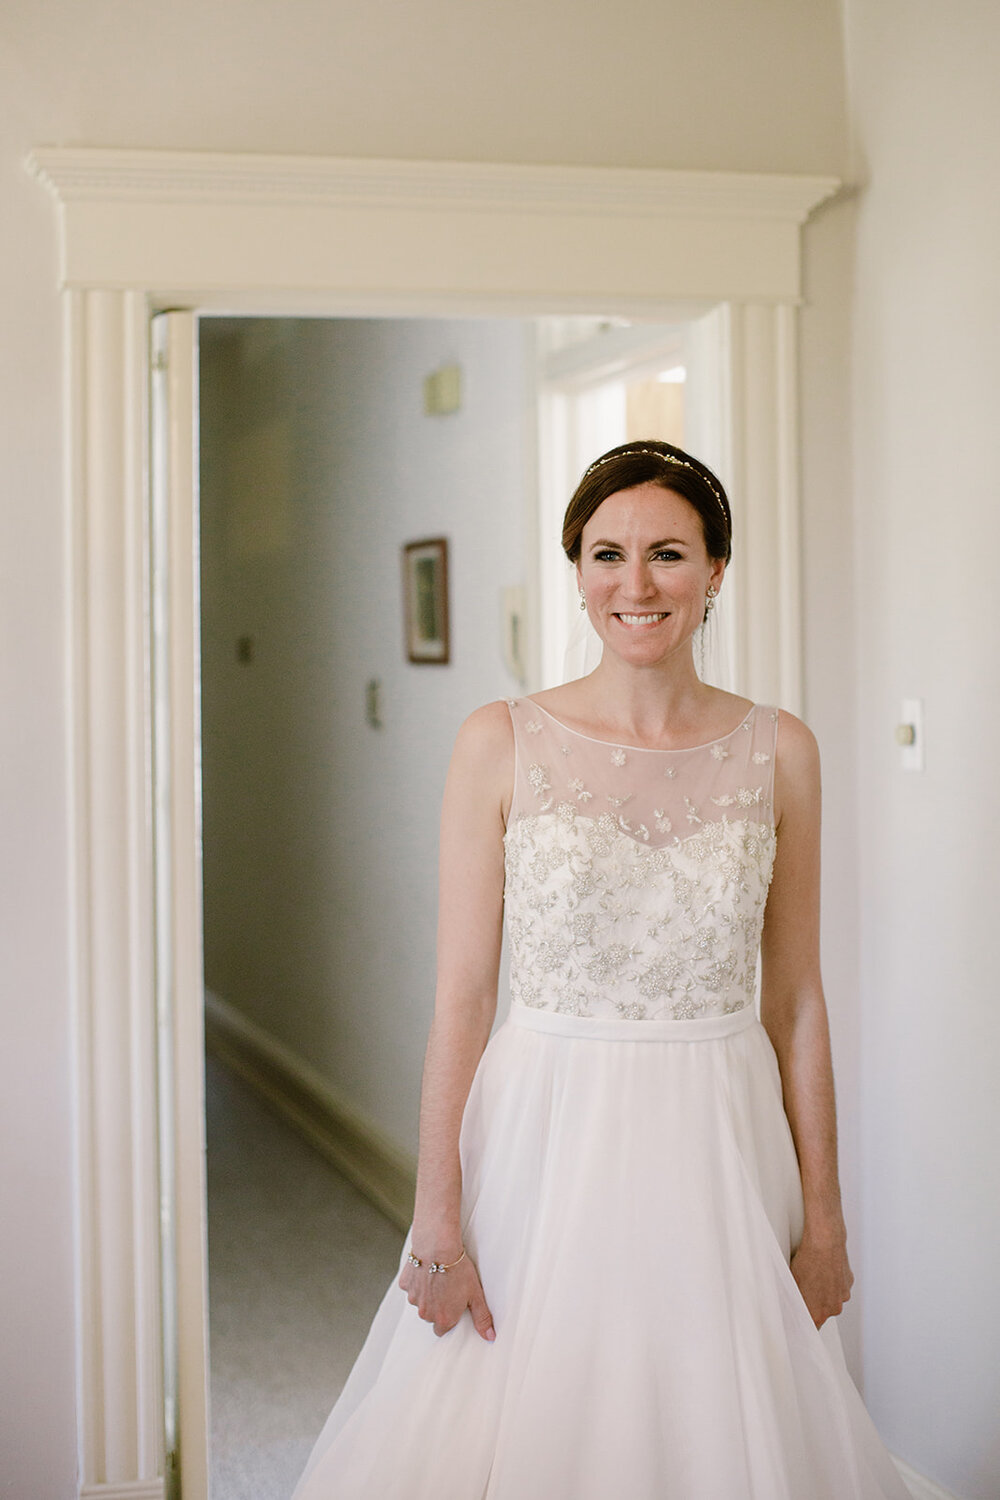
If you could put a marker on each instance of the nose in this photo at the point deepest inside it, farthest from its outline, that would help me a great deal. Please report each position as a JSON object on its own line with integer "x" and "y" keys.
{"x": 638, "y": 581}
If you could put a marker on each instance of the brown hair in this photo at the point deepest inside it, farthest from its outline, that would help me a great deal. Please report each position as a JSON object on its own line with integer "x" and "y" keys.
{"x": 651, "y": 462}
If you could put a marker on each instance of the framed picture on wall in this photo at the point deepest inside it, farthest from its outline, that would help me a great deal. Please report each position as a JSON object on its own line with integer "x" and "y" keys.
{"x": 425, "y": 601}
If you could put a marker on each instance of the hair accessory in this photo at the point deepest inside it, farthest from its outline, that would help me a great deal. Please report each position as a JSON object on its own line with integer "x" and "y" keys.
{"x": 435, "y": 1267}
{"x": 668, "y": 458}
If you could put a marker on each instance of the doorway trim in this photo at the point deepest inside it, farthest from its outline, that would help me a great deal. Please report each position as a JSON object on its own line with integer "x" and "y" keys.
{"x": 140, "y": 232}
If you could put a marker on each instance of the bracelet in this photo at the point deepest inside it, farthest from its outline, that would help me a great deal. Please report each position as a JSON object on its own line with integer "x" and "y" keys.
{"x": 435, "y": 1266}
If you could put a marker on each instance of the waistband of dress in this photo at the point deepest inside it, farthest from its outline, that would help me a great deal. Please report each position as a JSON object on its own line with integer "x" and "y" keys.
{"x": 615, "y": 1029}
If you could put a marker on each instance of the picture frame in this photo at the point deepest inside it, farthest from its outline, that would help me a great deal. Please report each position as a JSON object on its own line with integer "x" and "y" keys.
{"x": 425, "y": 602}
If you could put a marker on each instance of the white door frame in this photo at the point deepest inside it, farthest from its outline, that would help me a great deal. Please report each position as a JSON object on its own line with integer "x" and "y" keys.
{"x": 145, "y": 231}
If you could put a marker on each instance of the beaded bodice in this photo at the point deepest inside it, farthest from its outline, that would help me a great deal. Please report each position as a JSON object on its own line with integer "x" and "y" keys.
{"x": 636, "y": 879}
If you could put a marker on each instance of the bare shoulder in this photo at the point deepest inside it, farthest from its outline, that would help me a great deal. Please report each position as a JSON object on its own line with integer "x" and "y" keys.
{"x": 482, "y": 763}
{"x": 796, "y": 766}
{"x": 487, "y": 733}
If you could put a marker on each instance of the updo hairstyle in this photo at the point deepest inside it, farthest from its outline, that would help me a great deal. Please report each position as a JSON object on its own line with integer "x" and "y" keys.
{"x": 651, "y": 462}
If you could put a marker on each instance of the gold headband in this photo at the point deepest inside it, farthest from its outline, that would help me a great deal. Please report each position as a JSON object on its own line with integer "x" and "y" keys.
{"x": 680, "y": 463}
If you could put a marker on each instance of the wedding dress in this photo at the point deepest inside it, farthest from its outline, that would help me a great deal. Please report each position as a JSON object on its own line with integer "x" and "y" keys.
{"x": 631, "y": 1193}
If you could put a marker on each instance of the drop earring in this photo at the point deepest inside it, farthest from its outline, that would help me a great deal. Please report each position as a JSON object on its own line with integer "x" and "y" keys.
{"x": 710, "y": 598}
{"x": 583, "y": 600}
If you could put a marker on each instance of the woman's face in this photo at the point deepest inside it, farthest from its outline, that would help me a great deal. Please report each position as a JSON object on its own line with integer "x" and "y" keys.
{"x": 645, "y": 573}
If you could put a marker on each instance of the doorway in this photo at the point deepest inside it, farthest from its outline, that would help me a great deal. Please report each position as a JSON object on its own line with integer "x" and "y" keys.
{"x": 321, "y": 454}
{"x": 145, "y": 231}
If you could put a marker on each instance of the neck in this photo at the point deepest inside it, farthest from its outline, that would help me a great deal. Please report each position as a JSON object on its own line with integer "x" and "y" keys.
{"x": 647, "y": 700}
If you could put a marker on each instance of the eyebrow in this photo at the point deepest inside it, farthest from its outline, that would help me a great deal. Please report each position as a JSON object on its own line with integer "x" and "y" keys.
{"x": 670, "y": 541}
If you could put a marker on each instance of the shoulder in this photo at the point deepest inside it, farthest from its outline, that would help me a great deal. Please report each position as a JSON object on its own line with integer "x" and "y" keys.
{"x": 796, "y": 765}
{"x": 487, "y": 732}
{"x": 482, "y": 762}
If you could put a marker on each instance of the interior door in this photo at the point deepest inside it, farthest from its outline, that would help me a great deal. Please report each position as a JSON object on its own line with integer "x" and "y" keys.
{"x": 175, "y": 686}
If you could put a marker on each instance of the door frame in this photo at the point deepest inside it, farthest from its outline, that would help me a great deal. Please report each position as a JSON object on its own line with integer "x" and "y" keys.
{"x": 142, "y": 232}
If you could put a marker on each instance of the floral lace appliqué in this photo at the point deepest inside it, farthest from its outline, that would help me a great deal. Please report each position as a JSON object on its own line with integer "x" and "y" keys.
{"x": 636, "y": 881}
{"x": 602, "y": 924}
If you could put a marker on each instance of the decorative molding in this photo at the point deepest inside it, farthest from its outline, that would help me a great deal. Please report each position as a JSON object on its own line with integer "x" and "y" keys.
{"x": 386, "y": 1175}
{"x": 187, "y": 225}
{"x": 762, "y": 474}
{"x": 77, "y": 175}
{"x": 119, "y": 1360}
{"x": 918, "y": 1485}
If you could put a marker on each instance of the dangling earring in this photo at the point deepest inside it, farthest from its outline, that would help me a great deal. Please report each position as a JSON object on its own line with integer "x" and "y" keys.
{"x": 583, "y": 600}
{"x": 710, "y": 598}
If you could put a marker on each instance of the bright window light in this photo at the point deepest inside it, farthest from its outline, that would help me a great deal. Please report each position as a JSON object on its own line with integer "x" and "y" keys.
{"x": 675, "y": 376}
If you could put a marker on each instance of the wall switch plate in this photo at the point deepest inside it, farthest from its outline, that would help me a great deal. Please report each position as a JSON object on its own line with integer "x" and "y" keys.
{"x": 443, "y": 391}
{"x": 910, "y": 734}
{"x": 373, "y": 704}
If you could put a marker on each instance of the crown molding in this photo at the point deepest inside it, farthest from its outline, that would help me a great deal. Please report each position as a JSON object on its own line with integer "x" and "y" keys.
{"x": 80, "y": 175}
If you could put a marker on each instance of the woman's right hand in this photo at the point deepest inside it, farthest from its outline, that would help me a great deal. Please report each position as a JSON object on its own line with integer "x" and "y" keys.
{"x": 442, "y": 1297}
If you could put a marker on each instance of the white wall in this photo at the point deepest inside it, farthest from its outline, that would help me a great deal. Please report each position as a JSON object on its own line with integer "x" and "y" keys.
{"x": 722, "y": 85}
{"x": 830, "y": 681}
{"x": 318, "y": 463}
{"x": 926, "y": 388}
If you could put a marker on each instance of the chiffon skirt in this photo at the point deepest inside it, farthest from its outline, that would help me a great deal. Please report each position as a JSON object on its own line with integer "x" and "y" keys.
{"x": 631, "y": 1197}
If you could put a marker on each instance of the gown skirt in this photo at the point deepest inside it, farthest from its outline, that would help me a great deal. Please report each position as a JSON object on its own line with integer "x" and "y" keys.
{"x": 631, "y": 1197}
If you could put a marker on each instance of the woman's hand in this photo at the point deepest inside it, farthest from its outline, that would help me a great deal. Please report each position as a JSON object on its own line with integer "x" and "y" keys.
{"x": 442, "y": 1297}
{"x": 823, "y": 1276}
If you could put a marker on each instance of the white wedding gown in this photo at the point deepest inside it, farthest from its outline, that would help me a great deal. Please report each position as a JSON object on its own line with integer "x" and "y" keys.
{"x": 631, "y": 1194}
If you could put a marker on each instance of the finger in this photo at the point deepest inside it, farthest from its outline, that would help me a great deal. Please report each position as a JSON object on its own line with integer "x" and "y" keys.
{"x": 482, "y": 1318}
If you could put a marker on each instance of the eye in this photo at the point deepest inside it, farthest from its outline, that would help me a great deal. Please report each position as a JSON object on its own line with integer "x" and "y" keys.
{"x": 668, "y": 554}
{"x": 607, "y": 554}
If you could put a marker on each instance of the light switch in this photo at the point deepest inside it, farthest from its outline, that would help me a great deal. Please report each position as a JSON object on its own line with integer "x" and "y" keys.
{"x": 443, "y": 391}
{"x": 910, "y": 734}
{"x": 373, "y": 703}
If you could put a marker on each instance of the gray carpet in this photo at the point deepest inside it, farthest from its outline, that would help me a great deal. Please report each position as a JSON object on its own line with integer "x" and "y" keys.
{"x": 298, "y": 1263}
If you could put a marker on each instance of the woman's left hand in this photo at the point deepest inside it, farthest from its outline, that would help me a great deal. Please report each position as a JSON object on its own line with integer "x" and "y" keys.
{"x": 824, "y": 1277}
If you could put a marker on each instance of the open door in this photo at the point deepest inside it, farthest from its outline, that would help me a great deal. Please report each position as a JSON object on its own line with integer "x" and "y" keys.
{"x": 175, "y": 686}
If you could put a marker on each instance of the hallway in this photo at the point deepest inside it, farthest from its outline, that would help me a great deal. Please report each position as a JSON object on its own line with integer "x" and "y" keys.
{"x": 298, "y": 1262}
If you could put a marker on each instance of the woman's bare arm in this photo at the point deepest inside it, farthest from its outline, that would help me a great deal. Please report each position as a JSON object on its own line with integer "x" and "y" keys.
{"x": 476, "y": 800}
{"x": 793, "y": 1010}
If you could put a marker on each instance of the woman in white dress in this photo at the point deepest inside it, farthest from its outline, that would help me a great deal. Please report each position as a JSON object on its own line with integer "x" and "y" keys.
{"x": 628, "y": 1247}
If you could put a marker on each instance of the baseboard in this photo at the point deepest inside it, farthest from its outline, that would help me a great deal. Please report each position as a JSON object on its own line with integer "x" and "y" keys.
{"x": 132, "y": 1489}
{"x": 357, "y": 1148}
{"x": 919, "y": 1487}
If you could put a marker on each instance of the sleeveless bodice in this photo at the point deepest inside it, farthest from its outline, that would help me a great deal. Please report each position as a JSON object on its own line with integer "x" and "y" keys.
{"x": 636, "y": 879}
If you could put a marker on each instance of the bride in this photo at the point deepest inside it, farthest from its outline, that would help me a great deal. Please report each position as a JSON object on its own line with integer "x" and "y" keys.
{"x": 628, "y": 1247}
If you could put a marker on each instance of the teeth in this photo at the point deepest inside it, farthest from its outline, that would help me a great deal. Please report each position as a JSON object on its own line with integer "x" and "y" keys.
{"x": 641, "y": 619}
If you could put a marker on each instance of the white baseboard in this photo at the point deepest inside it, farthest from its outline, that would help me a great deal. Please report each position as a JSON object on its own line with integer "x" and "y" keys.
{"x": 919, "y": 1487}
{"x": 356, "y": 1147}
{"x": 132, "y": 1489}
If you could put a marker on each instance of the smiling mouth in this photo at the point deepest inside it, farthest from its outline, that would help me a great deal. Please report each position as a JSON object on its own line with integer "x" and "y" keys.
{"x": 641, "y": 620}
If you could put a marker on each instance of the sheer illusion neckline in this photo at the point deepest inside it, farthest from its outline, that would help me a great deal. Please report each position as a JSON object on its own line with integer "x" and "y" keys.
{"x": 645, "y": 749}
